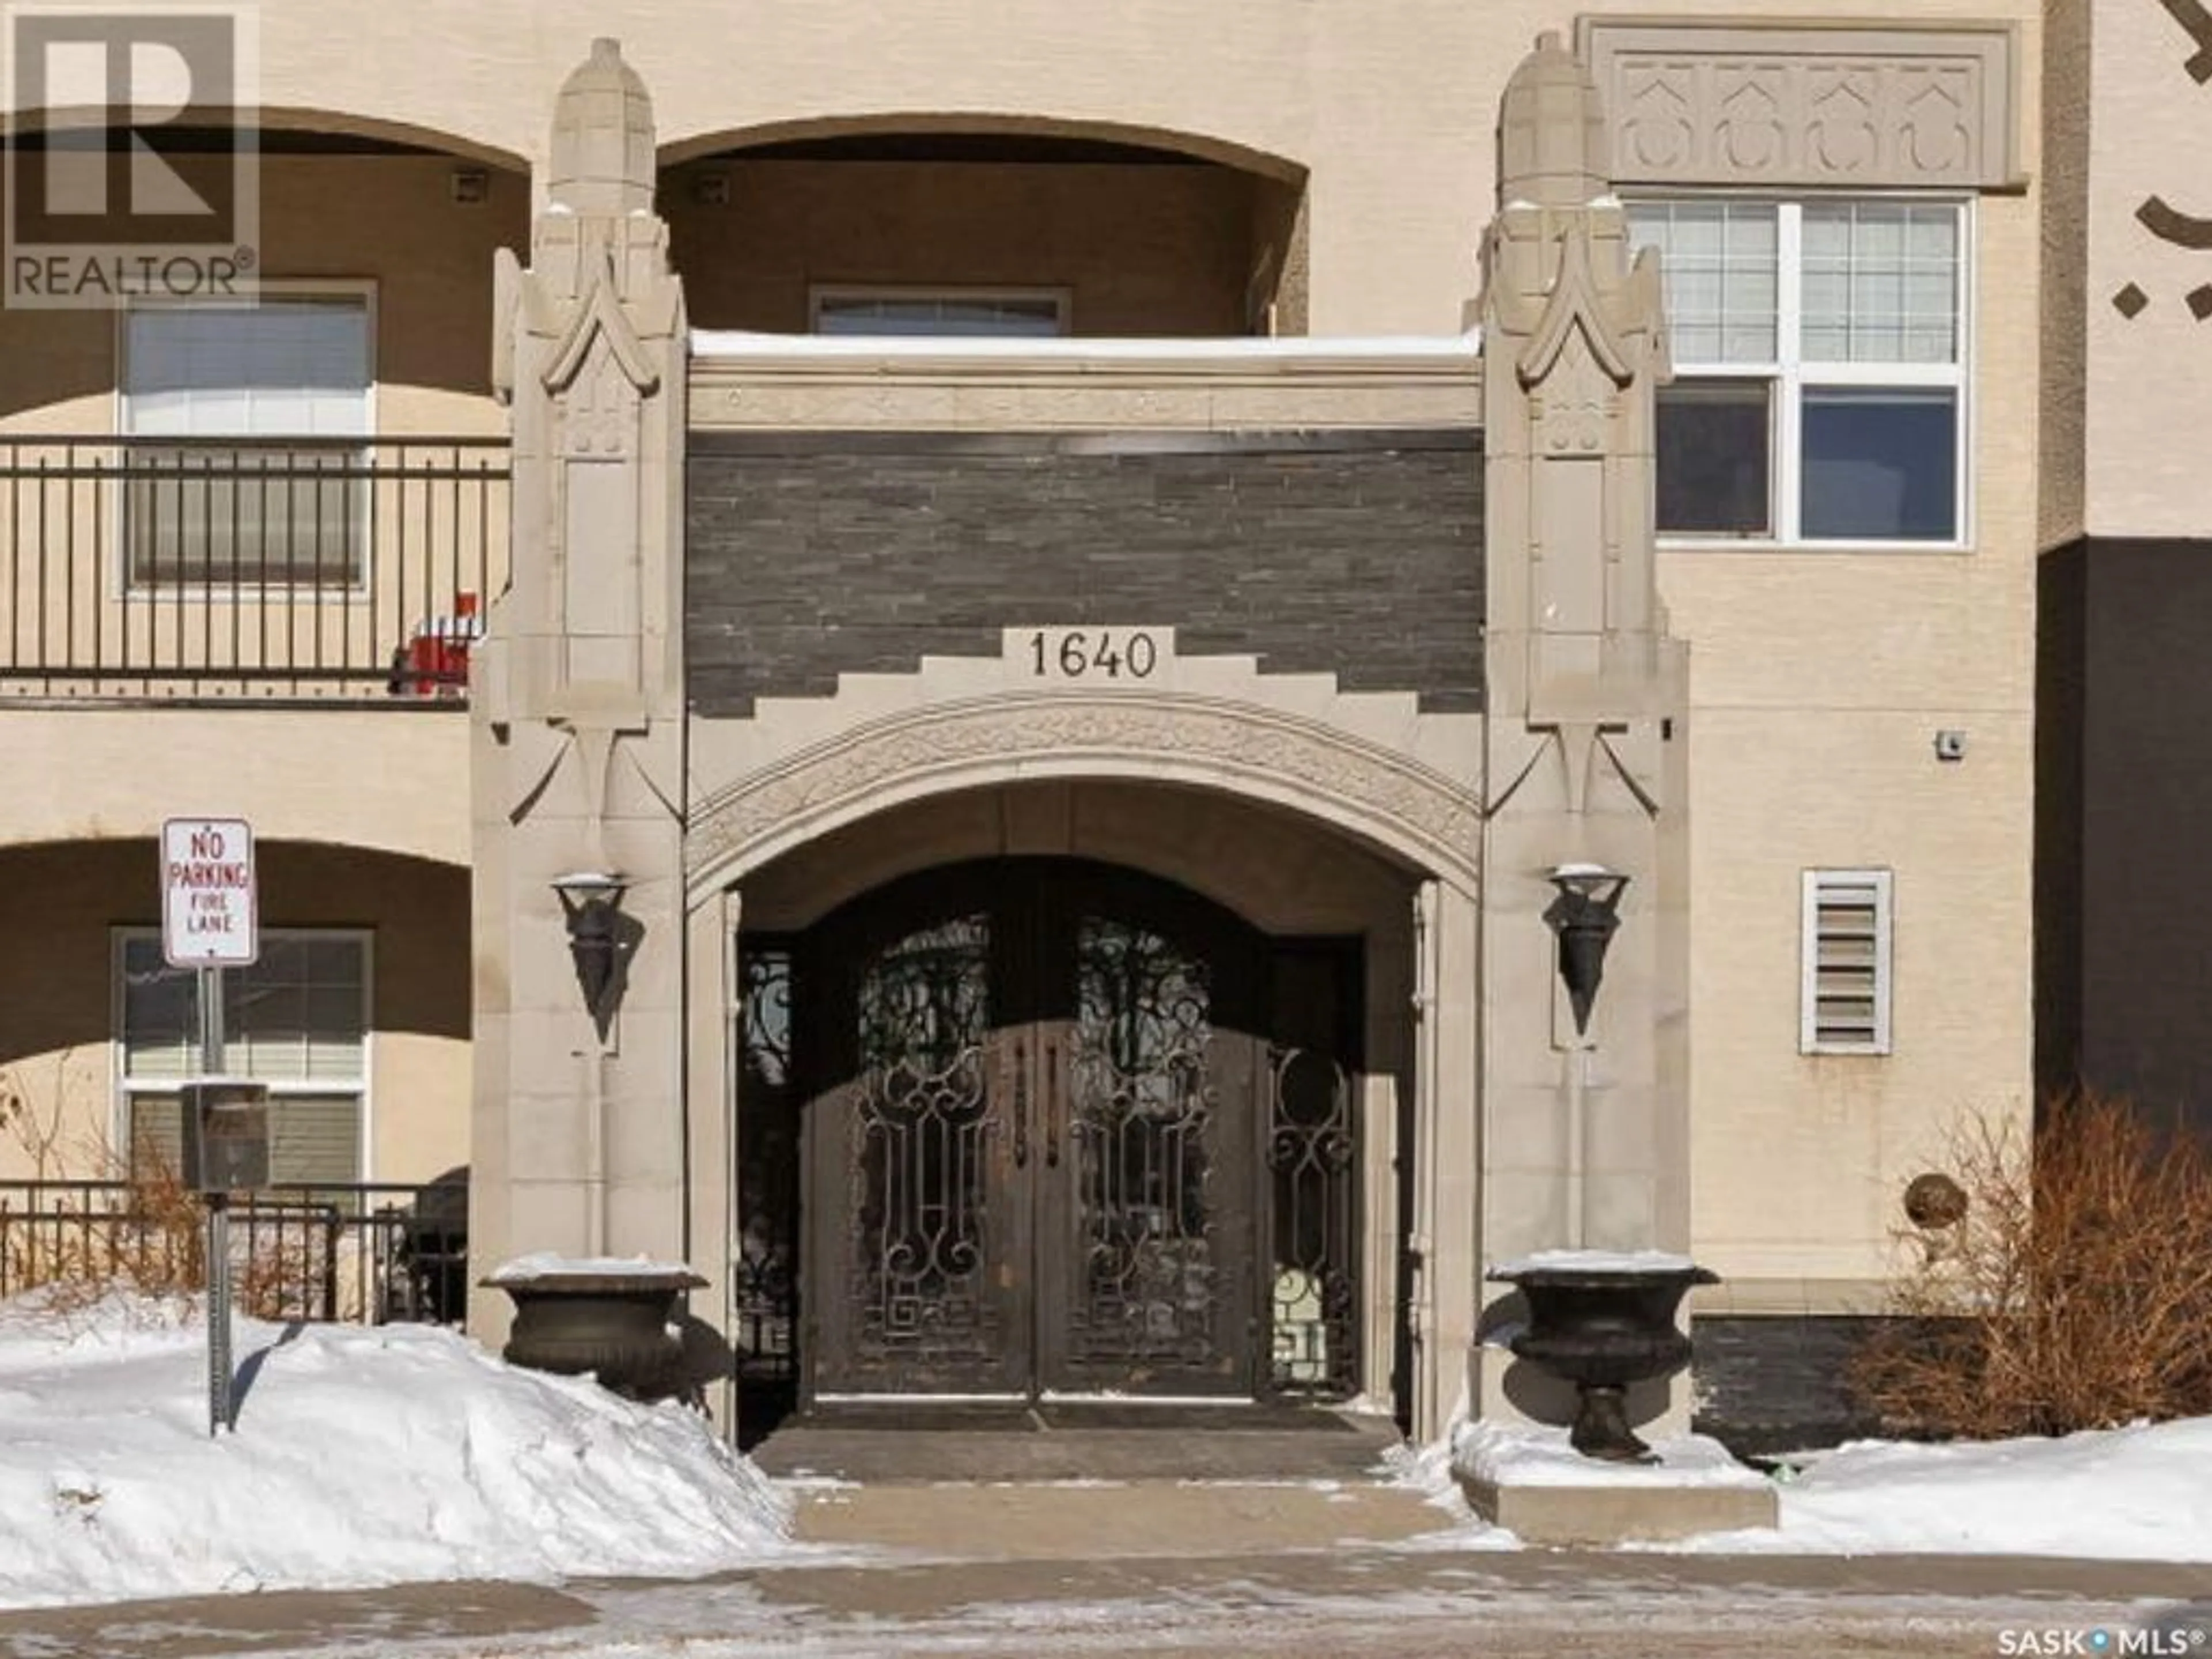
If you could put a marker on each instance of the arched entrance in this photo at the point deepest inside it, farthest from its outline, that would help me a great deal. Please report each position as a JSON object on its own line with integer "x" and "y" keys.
{"x": 1152, "y": 1089}
{"x": 1354, "y": 869}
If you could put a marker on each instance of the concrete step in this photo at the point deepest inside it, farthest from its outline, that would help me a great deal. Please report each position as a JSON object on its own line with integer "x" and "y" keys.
{"x": 1090, "y": 1520}
{"x": 1052, "y": 1481}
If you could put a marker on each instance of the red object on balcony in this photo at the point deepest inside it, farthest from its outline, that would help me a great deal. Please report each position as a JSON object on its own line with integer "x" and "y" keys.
{"x": 438, "y": 652}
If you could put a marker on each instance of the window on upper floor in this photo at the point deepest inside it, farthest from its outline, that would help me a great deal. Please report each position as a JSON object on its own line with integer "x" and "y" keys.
{"x": 245, "y": 463}
{"x": 297, "y": 1019}
{"x": 967, "y": 313}
{"x": 1819, "y": 352}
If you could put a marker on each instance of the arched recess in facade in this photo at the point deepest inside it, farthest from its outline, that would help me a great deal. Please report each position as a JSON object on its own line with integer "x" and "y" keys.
{"x": 1126, "y": 228}
{"x": 398, "y": 219}
{"x": 1418, "y": 830}
{"x": 302, "y": 122}
{"x": 827, "y": 128}
{"x": 356, "y": 1011}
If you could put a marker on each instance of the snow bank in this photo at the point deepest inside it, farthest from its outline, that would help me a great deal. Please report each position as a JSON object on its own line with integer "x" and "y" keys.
{"x": 2141, "y": 1493}
{"x": 2136, "y": 1494}
{"x": 363, "y": 1457}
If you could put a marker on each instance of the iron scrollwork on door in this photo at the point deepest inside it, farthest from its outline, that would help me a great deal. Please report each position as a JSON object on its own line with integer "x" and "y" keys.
{"x": 766, "y": 1269}
{"x": 921, "y": 1181}
{"x": 1313, "y": 1151}
{"x": 1142, "y": 1102}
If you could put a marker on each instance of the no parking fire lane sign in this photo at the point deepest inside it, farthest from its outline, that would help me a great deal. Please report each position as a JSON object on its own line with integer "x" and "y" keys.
{"x": 208, "y": 918}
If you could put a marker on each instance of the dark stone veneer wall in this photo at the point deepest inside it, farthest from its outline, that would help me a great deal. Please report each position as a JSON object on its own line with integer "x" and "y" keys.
{"x": 1770, "y": 1383}
{"x": 1354, "y": 552}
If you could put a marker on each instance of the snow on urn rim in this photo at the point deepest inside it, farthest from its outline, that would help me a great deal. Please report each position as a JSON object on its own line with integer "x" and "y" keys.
{"x": 542, "y": 1266}
{"x": 1654, "y": 1262}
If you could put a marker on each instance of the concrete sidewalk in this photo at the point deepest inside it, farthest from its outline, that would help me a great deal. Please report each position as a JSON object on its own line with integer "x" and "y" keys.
{"x": 1407, "y": 1602}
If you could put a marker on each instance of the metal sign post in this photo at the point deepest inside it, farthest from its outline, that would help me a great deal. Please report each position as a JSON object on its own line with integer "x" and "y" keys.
{"x": 220, "y": 1416}
{"x": 208, "y": 920}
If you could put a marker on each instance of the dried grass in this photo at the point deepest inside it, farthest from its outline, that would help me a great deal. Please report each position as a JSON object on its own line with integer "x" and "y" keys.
{"x": 147, "y": 1234}
{"x": 2076, "y": 1292}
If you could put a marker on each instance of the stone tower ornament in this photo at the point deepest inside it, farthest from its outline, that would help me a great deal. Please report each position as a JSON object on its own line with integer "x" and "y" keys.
{"x": 578, "y": 736}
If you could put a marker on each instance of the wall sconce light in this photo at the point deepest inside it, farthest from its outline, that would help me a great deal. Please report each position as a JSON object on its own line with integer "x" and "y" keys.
{"x": 591, "y": 900}
{"x": 1584, "y": 917}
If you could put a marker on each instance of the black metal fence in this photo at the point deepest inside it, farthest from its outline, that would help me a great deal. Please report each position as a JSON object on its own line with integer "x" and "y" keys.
{"x": 197, "y": 567}
{"x": 367, "y": 1255}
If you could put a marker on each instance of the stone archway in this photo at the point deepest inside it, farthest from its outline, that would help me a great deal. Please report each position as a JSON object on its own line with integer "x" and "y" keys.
{"x": 1412, "y": 811}
{"x": 1329, "y": 765}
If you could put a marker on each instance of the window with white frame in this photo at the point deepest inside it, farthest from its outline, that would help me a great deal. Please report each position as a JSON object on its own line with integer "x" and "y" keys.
{"x": 297, "y": 1019}
{"x": 1845, "y": 1007}
{"x": 1820, "y": 353}
{"x": 970, "y": 313}
{"x": 267, "y": 405}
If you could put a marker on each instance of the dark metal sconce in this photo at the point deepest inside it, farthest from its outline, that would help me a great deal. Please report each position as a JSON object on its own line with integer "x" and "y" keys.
{"x": 1584, "y": 916}
{"x": 591, "y": 902}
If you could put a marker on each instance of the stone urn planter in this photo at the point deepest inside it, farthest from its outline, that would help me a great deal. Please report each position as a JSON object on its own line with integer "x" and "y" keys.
{"x": 1602, "y": 1321}
{"x": 609, "y": 1317}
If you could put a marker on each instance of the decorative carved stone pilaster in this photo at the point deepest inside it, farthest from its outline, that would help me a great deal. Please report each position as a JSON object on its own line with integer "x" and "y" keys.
{"x": 1586, "y": 721}
{"x": 1570, "y": 432}
{"x": 591, "y": 351}
{"x": 578, "y": 722}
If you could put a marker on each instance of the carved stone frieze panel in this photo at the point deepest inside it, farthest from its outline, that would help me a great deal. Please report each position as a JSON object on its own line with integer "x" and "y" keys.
{"x": 1727, "y": 102}
{"x": 1337, "y": 777}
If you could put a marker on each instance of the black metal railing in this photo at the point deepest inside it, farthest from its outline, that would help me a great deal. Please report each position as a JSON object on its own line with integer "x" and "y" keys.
{"x": 192, "y": 567}
{"x": 365, "y": 1254}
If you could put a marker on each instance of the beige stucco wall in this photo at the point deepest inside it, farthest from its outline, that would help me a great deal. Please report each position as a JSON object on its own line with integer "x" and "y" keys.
{"x": 392, "y": 779}
{"x": 1819, "y": 681}
{"x": 58, "y": 1002}
{"x": 2148, "y": 393}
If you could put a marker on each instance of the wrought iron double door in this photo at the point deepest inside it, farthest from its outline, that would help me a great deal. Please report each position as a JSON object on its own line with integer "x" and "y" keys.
{"x": 1032, "y": 1141}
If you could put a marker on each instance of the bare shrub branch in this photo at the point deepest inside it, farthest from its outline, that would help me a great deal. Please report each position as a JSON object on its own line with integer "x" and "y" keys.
{"x": 2074, "y": 1293}
{"x": 83, "y": 1244}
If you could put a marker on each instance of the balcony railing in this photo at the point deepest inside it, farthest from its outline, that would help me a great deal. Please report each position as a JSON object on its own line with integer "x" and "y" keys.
{"x": 190, "y": 569}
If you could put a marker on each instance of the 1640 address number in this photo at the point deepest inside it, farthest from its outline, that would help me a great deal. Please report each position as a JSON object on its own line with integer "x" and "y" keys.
{"x": 1080, "y": 654}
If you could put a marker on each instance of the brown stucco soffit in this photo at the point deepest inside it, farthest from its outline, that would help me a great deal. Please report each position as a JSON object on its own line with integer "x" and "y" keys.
{"x": 1808, "y": 104}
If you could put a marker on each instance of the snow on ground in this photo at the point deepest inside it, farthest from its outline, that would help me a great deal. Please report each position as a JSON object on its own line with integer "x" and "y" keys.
{"x": 2142, "y": 1494}
{"x": 372, "y": 1457}
{"x": 362, "y": 1456}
